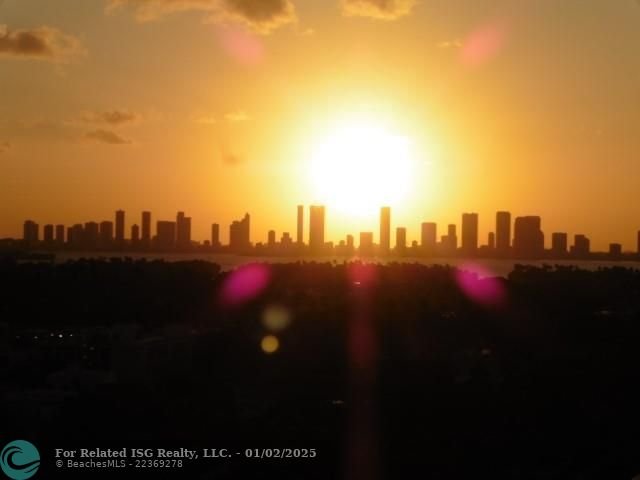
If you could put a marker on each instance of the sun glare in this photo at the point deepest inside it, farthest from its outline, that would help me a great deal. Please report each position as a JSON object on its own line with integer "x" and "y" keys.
{"x": 360, "y": 167}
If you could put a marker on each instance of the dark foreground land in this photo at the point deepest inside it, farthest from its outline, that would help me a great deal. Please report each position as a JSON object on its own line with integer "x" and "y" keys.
{"x": 401, "y": 371}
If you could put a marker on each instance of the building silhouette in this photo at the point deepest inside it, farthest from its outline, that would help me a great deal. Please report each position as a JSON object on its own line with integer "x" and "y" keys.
{"x": 215, "y": 236}
{"x": 401, "y": 240}
{"x": 183, "y": 231}
{"x": 165, "y": 235}
{"x": 491, "y": 241}
{"x": 31, "y": 232}
{"x": 615, "y": 250}
{"x": 428, "y": 237}
{"x": 135, "y": 236}
{"x": 106, "y": 234}
{"x": 559, "y": 244}
{"x": 239, "y": 234}
{"x": 581, "y": 246}
{"x": 503, "y": 233}
{"x": 91, "y": 236}
{"x": 120, "y": 228}
{"x": 385, "y": 230}
{"x": 528, "y": 239}
{"x": 469, "y": 233}
{"x": 316, "y": 228}
{"x": 48, "y": 234}
{"x": 300, "y": 226}
{"x": 59, "y": 235}
{"x": 365, "y": 248}
{"x": 146, "y": 230}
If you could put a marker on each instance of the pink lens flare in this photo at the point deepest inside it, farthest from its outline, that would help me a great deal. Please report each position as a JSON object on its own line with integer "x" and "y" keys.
{"x": 480, "y": 285}
{"x": 244, "y": 284}
{"x": 483, "y": 44}
{"x": 244, "y": 47}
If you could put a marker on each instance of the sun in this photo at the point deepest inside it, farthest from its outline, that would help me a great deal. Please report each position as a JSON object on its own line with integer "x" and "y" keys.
{"x": 360, "y": 166}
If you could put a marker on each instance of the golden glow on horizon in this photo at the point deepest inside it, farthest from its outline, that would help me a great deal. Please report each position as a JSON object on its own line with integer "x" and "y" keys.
{"x": 360, "y": 166}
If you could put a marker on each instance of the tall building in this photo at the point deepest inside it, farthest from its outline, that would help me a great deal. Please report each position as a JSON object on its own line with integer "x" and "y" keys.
{"x": 30, "y": 232}
{"x": 528, "y": 239}
{"x": 559, "y": 244}
{"x": 503, "y": 233}
{"x": 76, "y": 239}
{"x": 615, "y": 250}
{"x": 183, "y": 231}
{"x": 366, "y": 244}
{"x": 48, "y": 234}
{"x": 316, "y": 228}
{"x": 450, "y": 240}
{"x": 91, "y": 235}
{"x": 146, "y": 230}
{"x": 491, "y": 241}
{"x": 215, "y": 235}
{"x": 60, "y": 234}
{"x": 271, "y": 238}
{"x": 350, "y": 245}
{"x": 165, "y": 235}
{"x": 428, "y": 238}
{"x": 401, "y": 240}
{"x": 135, "y": 235}
{"x": 581, "y": 246}
{"x": 106, "y": 234}
{"x": 239, "y": 234}
{"x": 120, "y": 227}
{"x": 385, "y": 230}
{"x": 300, "y": 227}
{"x": 470, "y": 233}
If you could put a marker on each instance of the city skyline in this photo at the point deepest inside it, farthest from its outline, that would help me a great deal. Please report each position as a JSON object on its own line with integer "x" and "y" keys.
{"x": 512, "y": 237}
{"x": 438, "y": 107}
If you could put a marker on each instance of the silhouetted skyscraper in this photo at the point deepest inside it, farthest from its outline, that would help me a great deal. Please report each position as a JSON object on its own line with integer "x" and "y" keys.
{"x": 120, "y": 227}
{"x": 215, "y": 235}
{"x": 365, "y": 248}
{"x": 401, "y": 240}
{"x": 559, "y": 244}
{"x": 146, "y": 229}
{"x": 60, "y": 235}
{"x": 106, "y": 234}
{"x": 615, "y": 250}
{"x": 48, "y": 234}
{"x": 316, "y": 228}
{"x": 503, "y": 233}
{"x": 491, "y": 241}
{"x": 528, "y": 239}
{"x": 239, "y": 234}
{"x": 30, "y": 232}
{"x": 581, "y": 246}
{"x": 91, "y": 235}
{"x": 135, "y": 236}
{"x": 165, "y": 235}
{"x": 300, "y": 227}
{"x": 385, "y": 230}
{"x": 428, "y": 238}
{"x": 350, "y": 245}
{"x": 183, "y": 231}
{"x": 469, "y": 233}
{"x": 271, "y": 238}
{"x": 76, "y": 238}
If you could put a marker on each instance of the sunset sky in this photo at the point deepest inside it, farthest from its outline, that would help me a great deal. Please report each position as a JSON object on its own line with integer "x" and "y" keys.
{"x": 218, "y": 107}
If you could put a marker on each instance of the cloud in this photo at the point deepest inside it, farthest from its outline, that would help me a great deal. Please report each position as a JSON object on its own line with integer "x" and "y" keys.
{"x": 205, "y": 119}
{"x": 42, "y": 43}
{"x": 450, "y": 44}
{"x": 378, "y": 9}
{"x": 4, "y": 146}
{"x": 107, "y": 136}
{"x": 262, "y": 16}
{"x": 111, "y": 117}
{"x": 237, "y": 116}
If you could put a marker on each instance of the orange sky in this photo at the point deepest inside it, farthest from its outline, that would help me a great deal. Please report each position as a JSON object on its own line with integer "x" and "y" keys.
{"x": 214, "y": 107}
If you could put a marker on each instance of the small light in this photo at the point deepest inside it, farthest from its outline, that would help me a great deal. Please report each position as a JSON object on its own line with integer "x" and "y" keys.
{"x": 270, "y": 344}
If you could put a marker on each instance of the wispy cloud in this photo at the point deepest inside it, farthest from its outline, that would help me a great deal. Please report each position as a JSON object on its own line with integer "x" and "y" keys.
{"x": 108, "y": 137}
{"x": 113, "y": 117}
{"x": 378, "y": 9}
{"x": 262, "y": 16}
{"x": 237, "y": 116}
{"x": 42, "y": 43}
